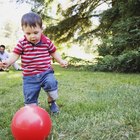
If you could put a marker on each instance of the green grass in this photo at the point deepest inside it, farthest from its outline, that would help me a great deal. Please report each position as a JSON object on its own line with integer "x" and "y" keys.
{"x": 94, "y": 105}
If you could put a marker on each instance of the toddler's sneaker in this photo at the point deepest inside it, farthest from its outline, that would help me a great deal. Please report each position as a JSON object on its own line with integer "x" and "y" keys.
{"x": 53, "y": 107}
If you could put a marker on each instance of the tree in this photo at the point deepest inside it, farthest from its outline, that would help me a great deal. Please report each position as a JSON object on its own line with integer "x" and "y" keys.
{"x": 120, "y": 33}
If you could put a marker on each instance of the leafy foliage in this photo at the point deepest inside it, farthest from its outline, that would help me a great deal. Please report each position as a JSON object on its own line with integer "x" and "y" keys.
{"x": 120, "y": 32}
{"x": 76, "y": 21}
{"x": 126, "y": 62}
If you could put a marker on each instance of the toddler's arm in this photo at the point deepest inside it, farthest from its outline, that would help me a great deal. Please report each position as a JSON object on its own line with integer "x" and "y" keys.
{"x": 59, "y": 59}
{"x": 8, "y": 62}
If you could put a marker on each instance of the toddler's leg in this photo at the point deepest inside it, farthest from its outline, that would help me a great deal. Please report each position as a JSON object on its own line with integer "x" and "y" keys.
{"x": 31, "y": 89}
{"x": 49, "y": 84}
{"x": 52, "y": 96}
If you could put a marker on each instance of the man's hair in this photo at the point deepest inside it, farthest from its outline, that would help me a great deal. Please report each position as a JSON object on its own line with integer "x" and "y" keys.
{"x": 3, "y": 46}
{"x": 31, "y": 19}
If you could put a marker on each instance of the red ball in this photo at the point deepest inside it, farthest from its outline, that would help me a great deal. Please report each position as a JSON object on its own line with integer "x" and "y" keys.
{"x": 31, "y": 123}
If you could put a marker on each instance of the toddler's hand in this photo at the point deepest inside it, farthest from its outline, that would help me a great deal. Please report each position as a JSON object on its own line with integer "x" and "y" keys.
{"x": 64, "y": 63}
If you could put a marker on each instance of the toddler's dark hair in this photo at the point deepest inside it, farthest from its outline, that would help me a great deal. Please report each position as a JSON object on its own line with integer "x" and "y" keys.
{"x": 31, "y": 19}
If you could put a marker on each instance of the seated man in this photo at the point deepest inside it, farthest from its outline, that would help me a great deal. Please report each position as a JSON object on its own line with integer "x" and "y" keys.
{"x": 4, "y": 55}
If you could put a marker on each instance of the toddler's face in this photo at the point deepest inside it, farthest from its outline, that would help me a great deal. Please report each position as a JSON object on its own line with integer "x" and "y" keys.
{"x": 33, "y": 34}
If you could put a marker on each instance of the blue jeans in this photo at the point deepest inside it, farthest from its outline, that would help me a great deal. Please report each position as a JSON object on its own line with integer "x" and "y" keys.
{"x": 33, "y": 84}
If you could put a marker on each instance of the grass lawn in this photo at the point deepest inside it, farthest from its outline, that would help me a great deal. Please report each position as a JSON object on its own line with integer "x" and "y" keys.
{"x": 93, "y": 105}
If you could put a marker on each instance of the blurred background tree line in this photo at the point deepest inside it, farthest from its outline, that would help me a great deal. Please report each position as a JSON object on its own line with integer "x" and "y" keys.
{"x": 118, "y": 31}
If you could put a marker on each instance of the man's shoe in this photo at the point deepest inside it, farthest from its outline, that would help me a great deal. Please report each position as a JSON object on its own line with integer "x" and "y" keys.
{"x": 53, "y": 107}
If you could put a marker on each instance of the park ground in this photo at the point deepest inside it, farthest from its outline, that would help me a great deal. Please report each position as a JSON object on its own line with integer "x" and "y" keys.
{"x": 93, "y": 105}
